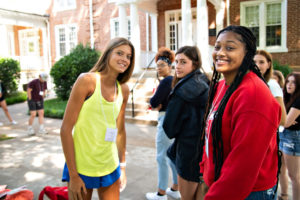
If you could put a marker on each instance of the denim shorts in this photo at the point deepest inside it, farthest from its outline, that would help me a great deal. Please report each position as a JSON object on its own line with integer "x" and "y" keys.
{"x": 94, "y": 182}
{"x": 290, "y": 142}
{"x": 263, "y": 195}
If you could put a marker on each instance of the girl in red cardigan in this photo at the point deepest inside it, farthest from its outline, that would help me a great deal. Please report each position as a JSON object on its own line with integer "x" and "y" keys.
{"x": 240, "y": 154}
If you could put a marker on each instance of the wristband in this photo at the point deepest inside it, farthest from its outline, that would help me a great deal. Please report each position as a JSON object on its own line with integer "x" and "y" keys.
{"x": 122, "y": 164}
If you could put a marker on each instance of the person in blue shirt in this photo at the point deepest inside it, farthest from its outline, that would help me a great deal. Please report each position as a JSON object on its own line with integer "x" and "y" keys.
{"x": 164, "y": 59}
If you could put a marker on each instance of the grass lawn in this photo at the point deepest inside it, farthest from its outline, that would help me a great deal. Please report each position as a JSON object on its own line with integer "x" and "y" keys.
{"x": 55, "y": 108}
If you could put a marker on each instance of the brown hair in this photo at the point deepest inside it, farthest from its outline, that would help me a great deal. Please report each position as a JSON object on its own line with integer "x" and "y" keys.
{"x": 165, "y": 52}
{"x": 103, "y": 61}
{"x": 290, "y": 98}
{"x": 267, "y": 76}
{"x": 280, "y": 77}
{"x": 193, "y": 53}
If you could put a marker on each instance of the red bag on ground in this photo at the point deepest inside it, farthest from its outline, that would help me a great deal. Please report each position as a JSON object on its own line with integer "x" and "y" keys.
{"x": 54, "y": 193}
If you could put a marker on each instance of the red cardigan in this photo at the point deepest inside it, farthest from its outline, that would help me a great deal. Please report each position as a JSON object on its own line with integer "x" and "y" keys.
{"x": 249, "y": 126}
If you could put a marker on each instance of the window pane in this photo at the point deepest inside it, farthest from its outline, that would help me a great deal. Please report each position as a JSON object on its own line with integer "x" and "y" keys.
{"x": 255, "y": 31}
{"x": 62, "y": 49}
{"x": 273, "y": 35}
{"x": 172, "y": 37}
{"x": 129, "y": 29}
{"x": 273, "y": 14}
{"x": 71, "y": 2}
{"x": 252, "y": 16}
{"x": 172, "y": 17}
{"x": 116, "y": 28}
{"x": 62, "y": 35}
{"x": 72, "y": 34}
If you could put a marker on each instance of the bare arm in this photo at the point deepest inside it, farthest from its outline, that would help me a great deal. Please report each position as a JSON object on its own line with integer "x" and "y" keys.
{"x": 283, "y": 111}
{"x": 29, "y": 93}
{"x": 291, "y": 117}
{"x": 121, "y": 137}
{"x": 84, "y": 86}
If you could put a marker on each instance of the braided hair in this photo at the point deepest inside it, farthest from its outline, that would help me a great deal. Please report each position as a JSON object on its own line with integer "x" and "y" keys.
{"x": 247, "y": 64}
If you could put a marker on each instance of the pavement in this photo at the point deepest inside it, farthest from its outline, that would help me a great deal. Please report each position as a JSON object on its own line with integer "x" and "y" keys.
{"x": 37, "y": 161}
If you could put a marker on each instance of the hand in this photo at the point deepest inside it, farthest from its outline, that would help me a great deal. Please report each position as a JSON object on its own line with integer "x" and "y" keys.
{"x": 123, "y": 179}
{"x": 76, "y": 189}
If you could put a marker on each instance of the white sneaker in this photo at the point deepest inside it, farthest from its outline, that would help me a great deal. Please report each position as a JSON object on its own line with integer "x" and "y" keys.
{"x": 13, "y": 122}
{"x": 43, "y": 131}
{"x": 30, "y": 132}
{"x": 173, "y": 194}
{"x": 154, "y": 196}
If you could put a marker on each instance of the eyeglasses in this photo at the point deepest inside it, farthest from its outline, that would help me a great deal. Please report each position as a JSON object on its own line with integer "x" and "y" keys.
{"x": 161, "y": 65}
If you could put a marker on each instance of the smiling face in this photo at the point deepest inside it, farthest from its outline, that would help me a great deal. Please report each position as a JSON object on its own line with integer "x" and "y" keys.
{"x": 120, "y": 58}
{"x": 183, "y": 65}
{"x": 290, "y": 85}
{"x": 228, "y": 54}
{"x": 262, "y": 63}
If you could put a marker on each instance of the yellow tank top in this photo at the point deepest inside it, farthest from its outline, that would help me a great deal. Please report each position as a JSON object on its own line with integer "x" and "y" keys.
{"x": 95, "y": 156}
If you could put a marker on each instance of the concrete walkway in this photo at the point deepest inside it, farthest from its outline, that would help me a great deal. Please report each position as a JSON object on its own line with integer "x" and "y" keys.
{"x": 37, "y": 161}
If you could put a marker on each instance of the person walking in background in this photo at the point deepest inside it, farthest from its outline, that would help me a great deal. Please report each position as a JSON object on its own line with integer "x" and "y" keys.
{"x": 278, "y": 76}
{"x": 164, "y": 59}
{"x": 290, "y": 138}
{"x": 95, "y": 153}
{"x": 240, "y": 155}
{"x": 183, "y": 118}
{"x": 263, "y": 61}
{"x": 4, "y": 106}
{"x": 36, "y": 92}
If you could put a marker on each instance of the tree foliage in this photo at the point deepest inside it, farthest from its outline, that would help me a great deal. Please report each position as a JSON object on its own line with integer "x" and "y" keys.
{"x": 67, "y": 69}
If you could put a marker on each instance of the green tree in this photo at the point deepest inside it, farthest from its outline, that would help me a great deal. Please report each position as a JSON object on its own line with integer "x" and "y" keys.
{"x": 9, "y": 74}
{"x": 67, "y": 69}
{"x": 285, "y": 69}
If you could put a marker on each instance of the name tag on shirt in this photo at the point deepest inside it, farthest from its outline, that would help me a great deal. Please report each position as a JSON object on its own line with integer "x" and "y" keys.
{"x": 41, "y": 93}
{"x": 111, "y": 134}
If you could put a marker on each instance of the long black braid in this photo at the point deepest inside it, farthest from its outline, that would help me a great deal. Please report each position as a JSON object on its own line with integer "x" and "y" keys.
{"x": 248, "y": 64}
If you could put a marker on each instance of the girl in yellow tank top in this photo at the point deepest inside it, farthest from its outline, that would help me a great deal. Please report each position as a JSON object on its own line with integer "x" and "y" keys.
{"x": 96, "y": 111}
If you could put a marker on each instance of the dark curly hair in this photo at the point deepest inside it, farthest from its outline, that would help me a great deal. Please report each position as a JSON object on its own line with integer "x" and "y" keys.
{"x": 165, "y": 52}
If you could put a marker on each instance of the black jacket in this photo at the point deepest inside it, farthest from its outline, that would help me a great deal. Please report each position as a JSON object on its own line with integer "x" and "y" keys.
{"x": 183, "y": 122}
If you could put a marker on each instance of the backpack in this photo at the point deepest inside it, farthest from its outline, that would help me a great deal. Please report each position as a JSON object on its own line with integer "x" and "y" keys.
{"x": 54, "y": 193}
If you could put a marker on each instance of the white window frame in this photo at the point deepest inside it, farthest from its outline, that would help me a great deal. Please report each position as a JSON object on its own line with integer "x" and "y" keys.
{"x": 262, "y": 23}
{"x": 57, "y": 42}
{"x": 58, "y": 7}
{"x": 113, "y": 28}
{"x": 178, "y": 25}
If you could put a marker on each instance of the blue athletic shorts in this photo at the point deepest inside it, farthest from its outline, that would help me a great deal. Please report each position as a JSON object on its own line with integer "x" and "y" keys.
{"x": 94, "y": 182}
{"x": 290, "y": 142}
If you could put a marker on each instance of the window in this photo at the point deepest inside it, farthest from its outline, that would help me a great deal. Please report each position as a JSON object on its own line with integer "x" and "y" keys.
{"x": 60, "y": 5}
{"x": 66, "y": 39}
{"x": 29, "y": 42}
{"x": 115, "y": 28}
{"x": 173, "y": 28}
{"x": 267, "y": 20}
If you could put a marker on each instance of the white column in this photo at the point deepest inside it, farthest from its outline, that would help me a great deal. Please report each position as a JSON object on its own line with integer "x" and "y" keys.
{"x": 220, "y": 10}
{"x": 45, "y": 50}
{"x": 202, "y": 35}
{"x": 154, "y": 42}
{"x": 186, "y": 16}
{"x": 123, "y": 26}
{"x": 135, "y": 35}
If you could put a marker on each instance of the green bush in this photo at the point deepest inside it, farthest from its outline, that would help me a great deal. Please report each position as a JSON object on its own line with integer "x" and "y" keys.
{"x": 285, "y": 69}
{"x": 67, "y": 69}
{"x": 55, "y": 108}
{"x": 9, "y": 74}
{"x": 16, "y": 97}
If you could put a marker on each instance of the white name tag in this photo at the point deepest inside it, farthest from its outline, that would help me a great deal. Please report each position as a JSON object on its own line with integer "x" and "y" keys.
{"x": 111, "y": 134}
{"x": 41, "y": 93}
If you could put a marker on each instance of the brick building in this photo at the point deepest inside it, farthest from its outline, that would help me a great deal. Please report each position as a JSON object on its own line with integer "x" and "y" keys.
{"x": 150, "y": 24}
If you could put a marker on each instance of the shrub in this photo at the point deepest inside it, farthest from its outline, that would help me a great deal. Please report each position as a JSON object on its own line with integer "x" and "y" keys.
{"x": 285, "y": 69}
{"x": 9, "y": 74}
{"x": 55, "y": 108}
{"x": 67, "y": 69}
{"x": 16, "y": 97}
